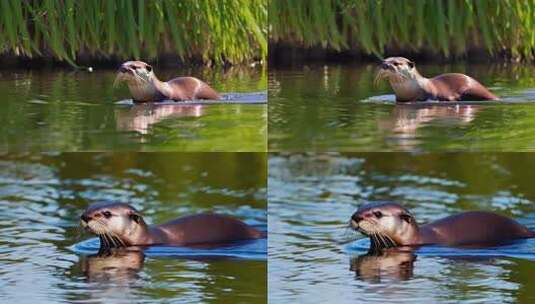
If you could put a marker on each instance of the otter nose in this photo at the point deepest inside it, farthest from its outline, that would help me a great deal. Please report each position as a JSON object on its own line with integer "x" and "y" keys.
{"x": 385, "y": 65}
{"x": 357, "y": 218}
{"x": 123, "y": 69}
{"x": 85, "y": 218}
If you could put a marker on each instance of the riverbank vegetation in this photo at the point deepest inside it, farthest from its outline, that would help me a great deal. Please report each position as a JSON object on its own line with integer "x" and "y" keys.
{"x": 450, "y": 29}
{"x": 205, "y": 31}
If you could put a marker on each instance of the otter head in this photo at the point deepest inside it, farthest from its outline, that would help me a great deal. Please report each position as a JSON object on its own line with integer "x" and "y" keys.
{"x": 140, "y": 78}
{"x": 116, "y": 224}
{"x": 133, "y": 72}
{"x": 397, "y": 69}
{"x": 387, "y": 224}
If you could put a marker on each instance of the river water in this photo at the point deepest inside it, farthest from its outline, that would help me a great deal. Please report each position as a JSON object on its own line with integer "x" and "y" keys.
{"x": 43, "y": 195}
{"x": 315, "y": 258}
{"x": 338, "y": 108}
{"x": 64, "y": 110}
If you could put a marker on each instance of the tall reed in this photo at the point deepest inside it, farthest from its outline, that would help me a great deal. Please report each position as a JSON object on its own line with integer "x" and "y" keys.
{"x": 449, "y": 27}
{"x": 213, "y": 31}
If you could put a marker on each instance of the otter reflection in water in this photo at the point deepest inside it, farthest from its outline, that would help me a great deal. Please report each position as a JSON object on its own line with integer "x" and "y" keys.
{"x": 374, "y": 266}
{"x": 115, "y": 275}
{"x": 405, "y": 120}
{"x": 140, "y": 117}
{"x": 119, "y": 265}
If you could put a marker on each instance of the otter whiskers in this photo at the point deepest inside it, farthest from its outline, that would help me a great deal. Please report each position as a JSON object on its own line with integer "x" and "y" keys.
{"x": 381, "y": 241}
{"x": 107, "y": 239}
{"x": 395, "y": 78}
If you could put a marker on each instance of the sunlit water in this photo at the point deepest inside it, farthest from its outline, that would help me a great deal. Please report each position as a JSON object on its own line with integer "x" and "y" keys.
{"x": 43, "y": 195}
{"x": 63, "y": 110}
{"x": 338, "y": 108}
{"x": 315, "y": 258}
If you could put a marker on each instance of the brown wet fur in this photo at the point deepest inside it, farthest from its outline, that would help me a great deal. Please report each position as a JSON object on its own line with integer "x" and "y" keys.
{"x": 123, "y": 221}
{"x": 185, "y": 88}
{"x": 471, "y": 229}
{"x": 456, "y": 87}
{"x": 146, "y": 87}
{"x": 474, "y": 228}
{"x": 408, "y": 85}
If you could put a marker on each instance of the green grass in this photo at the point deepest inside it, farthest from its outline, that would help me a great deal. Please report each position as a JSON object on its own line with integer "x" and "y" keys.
{"x": 213, "y": 31}
{"x": 449, "y": 28}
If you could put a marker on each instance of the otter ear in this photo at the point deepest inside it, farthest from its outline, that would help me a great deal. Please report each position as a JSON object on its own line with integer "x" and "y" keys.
{"x": 135, "y": 217}
{"x": 149, "y": 68}
{"x": 406, "y": 217}
{"x": 411, "y": 64}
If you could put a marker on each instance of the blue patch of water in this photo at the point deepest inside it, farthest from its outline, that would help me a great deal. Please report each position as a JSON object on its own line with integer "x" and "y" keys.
{"x": 228, "y": 98}
{"x": 524, "y": 249}
{"x": 526, "y": 97}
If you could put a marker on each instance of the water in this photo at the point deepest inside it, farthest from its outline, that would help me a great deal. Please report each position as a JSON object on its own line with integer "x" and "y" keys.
{"x": 43, "y": 195}
{"x": 315, "y": 258}
{"x": 337, "y": 108}
{"x": 245, "y": 249}
{"x": 62, "y": 110}
{"x": 516, "y": 249}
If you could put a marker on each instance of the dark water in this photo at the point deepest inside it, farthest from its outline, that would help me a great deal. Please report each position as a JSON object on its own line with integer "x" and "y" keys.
{"x": 313, "y": 257}
{"x": 43, "y": 195}
{"x": 61, "y": 110}
{"x": 337, "y": 108}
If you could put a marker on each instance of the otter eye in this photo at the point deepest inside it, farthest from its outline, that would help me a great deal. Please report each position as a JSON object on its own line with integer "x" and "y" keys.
{"x": 149, "y": 68}
{"x": 396, "y": 63}
{"x": 406, "y": 217}
{"x": 136, "y": 218}
{"x": 378, "y": 214}
{"x": 106, "y": 214}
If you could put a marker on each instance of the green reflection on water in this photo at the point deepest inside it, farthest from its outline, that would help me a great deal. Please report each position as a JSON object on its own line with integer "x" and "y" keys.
{"x": 337, "y": 108}
{"x": 75, "y": 111}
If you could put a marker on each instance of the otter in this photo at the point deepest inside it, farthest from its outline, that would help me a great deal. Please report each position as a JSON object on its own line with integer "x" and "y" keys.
{"x": 121, "y": 225}
{"x": 146, "y": 87}
{"x": 409, "y": 85}
{"x": 391, "y": 225}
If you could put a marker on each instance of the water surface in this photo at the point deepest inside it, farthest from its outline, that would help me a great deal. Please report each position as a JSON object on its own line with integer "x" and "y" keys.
{"x": 43, "y": 195}
{"x": 242, "y": 249}
{"x": 63, "y": 110}
{"x": 315, "y": 258}
{"x": 337, "y": 108}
